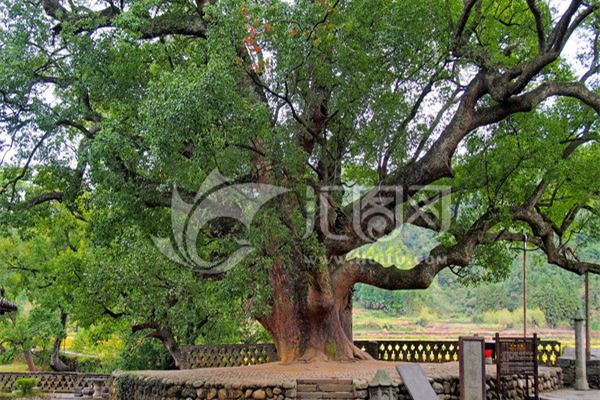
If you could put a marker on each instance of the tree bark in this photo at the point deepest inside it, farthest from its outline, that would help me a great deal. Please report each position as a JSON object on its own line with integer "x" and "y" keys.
{"x": 55, "y": 362}
{"x": 311, "y": 321}
{"x": 165, "y": 335}
{"x": 346, "y": 316}
{"x": 29, "y": 360}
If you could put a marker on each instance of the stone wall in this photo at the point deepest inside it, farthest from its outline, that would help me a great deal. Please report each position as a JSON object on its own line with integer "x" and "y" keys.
{"x": 126, "y": 387}
{"x": 513, "y": 388}
{"x": 131, "y": 387}
{"x": 593, "y": 371}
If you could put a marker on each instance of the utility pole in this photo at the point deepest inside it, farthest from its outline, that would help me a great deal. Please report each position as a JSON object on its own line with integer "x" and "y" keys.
{"x": 588, "y": 337}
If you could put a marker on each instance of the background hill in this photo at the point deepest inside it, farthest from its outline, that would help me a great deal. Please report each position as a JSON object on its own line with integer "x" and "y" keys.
{"x": 472, "y": 302}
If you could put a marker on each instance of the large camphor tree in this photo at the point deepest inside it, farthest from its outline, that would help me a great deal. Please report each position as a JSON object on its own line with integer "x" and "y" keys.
{"x": 465, "y": 118}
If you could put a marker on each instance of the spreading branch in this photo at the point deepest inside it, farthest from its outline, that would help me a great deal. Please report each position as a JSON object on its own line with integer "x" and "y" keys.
{"x": 539, "y": 23}
{"x": 87, "y": 21}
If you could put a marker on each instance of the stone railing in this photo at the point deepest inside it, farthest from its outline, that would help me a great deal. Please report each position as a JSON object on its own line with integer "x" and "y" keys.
{"x": 237, "y": 355}
{"x": 227, "y": 355}
{"x": 49, "y": 382}
{"x": 440, "y": 351}
{"x": 411, "y": 350}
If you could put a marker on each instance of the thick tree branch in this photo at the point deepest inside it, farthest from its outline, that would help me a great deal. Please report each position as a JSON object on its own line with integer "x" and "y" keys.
{"x": 421, "y": 276}
{"x": 88, "y": 133}
{"x": 165, "y": 335}
{"x": 539, "y": 23}
{"x": 462, "y": 23}
{"x": 436, "y": 163}
{"x": 43, "y": 198}
{"x": 555, "y": 255}
{"x": 558, "y": 35}
{"x": 192, "y": 24}
{"x": 412, "y": 177}
{"x": 526, "y": 102}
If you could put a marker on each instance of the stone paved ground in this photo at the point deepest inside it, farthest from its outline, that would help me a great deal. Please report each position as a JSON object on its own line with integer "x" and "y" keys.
{"x": 571, "y": 395}
{"x": 275, "y": 373}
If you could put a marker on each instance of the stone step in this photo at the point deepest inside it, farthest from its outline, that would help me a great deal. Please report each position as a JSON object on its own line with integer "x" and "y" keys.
{"x": 311, "y": 389}
{"x": 316, "y": 381}
{"x": 335, "y": 387}
{"x": 325, "y": 387}
{"x": 304, "y": 387}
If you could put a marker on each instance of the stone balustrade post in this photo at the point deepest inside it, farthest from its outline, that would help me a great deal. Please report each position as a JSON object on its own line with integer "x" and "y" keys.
{"x": 381, "y": 387}
{"x": 581, "y": 382}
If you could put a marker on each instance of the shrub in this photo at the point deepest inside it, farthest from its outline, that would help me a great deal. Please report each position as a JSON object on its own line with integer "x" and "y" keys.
{"x": 7, "y": 355}
{"x": 502, "y": 317}
{"x": 477, "y": 318}
{"x": 88, "y": 364}
{"x": 25, "y": 385}
{"x": 535, "y": 317}
{"x": 425, "y": 317}
{"x": 508, "y": 319}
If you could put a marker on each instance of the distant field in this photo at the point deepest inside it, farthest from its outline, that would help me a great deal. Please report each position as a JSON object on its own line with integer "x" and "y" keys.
{"x": 371, "y": 325}
{"x": 378, "y": 325}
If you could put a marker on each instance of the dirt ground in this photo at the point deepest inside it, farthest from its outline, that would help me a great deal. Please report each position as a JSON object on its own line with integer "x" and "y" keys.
{"x": 276, "y": 373}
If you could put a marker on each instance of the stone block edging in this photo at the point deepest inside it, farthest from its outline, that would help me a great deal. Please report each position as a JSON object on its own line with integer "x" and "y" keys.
{"x": 132, "y": 387}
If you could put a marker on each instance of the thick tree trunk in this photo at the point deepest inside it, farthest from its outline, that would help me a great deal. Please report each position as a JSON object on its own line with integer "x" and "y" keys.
{"x": 55, "y": 362}
{"x": 346, "y": 316}
{"x": 311, "y": 321}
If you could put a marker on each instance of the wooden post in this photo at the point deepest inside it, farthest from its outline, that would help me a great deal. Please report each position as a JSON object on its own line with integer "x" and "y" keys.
{"x": 498, "y": 371}
{"x": 525, "y": 287}
{"x": 536, "y": 375}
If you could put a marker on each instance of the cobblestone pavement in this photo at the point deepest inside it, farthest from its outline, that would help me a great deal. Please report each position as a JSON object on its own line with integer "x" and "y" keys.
{"x": 272, "y": 373}
{"x": 571, "y": 395}
{"x": 275, "y": 373}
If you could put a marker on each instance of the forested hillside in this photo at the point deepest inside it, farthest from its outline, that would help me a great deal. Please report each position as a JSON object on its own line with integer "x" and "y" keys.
{"x": 554, "y": 292}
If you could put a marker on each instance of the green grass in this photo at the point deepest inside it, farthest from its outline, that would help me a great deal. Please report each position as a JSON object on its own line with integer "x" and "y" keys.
{"x": 14, "y": 367}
